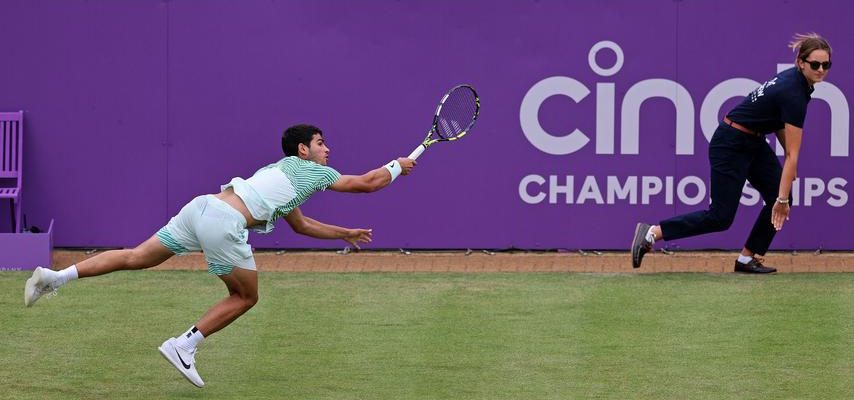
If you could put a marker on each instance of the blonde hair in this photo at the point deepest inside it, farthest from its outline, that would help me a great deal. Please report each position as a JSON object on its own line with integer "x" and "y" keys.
{"x": 805, "y": 43}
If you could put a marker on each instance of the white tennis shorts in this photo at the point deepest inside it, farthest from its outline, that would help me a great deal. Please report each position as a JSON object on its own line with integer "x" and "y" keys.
{"x": 210, "y": 225}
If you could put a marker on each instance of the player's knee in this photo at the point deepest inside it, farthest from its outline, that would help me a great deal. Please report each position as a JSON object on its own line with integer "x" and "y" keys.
{"x": 136, "y": 259}
{"x": 130, "y": 258}
{"x": 249, "y": 299}
{"x": 718, "y": 223}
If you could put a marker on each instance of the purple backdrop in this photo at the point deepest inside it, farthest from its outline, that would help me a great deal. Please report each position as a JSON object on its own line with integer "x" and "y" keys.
{"x": 133, "y": 108}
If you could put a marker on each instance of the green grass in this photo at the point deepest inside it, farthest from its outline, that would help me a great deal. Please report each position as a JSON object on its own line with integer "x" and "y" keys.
{"x": 439, "y": 336}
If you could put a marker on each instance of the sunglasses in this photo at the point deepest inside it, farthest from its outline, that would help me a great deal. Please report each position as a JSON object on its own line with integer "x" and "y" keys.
{"x": 815, "y": 64}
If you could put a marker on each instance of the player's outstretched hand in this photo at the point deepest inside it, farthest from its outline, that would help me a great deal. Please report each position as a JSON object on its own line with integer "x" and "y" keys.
{"x": 406, "y": 164}
{"x": 357, "y": 235}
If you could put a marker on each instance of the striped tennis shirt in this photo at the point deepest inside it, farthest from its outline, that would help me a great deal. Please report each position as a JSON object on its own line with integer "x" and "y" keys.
{"x": 275, "y": 190}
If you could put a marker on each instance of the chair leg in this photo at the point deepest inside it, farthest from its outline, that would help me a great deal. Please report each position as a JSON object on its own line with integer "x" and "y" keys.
{"x": 12, "y": 209}
{"x": 19, "y": 210}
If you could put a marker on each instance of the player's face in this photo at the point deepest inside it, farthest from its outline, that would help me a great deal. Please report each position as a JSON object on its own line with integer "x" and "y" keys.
{"x": 317, "y": 150}
{"x": 816, "y": 57}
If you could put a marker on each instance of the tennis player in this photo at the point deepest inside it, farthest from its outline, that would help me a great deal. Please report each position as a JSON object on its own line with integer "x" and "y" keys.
{"x": 738, "y": 152}
{"x": 217, "y": 225}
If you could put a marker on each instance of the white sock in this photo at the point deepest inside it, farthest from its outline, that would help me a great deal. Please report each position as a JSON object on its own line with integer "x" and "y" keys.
{"x": 650, "y": 237}
{"x": 744, "y": 259}
{"x": 65, "y": 275}
{"x": 190, "y": 339}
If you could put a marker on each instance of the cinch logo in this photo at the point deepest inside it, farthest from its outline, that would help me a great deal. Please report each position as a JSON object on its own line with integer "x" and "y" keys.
{"x": 652, "y": 88}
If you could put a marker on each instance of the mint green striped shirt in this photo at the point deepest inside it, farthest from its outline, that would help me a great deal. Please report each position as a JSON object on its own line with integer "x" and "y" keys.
{"x": 306, "y": 177}
{"x": 268, "y": 197}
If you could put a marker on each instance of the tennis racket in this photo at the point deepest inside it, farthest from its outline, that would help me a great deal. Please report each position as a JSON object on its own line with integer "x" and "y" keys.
{"x": 455, "y": 116}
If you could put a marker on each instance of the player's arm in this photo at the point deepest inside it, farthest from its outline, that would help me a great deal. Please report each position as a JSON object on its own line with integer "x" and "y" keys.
{"x": 316, "y": 229}
{"x": 791, "y": 140}
{"x": 375, "y": 179}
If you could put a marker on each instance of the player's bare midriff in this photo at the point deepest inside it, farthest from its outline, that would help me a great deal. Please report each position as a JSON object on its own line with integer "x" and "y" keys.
{"x": 232, "y": 199}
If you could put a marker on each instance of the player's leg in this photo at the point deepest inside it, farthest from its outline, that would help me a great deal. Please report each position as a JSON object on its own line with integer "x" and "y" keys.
{"x": 764, "y": 176}
{"x": 729, "y": 159}
{"x": 180, "y": 351}
{"x": 222, "y": 235}
{"x": 43, "y": 281}
{"x": 242, "y": 287}
{"x": 174, "y": 238}
{"x": 148, "y": 254}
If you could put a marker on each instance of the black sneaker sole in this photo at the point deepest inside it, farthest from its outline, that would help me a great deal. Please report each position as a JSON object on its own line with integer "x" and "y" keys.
{"x": 640, "y": 235}
{"x": 753, "y": 271}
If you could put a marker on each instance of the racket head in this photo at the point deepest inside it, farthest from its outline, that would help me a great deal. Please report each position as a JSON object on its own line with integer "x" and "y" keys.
{"x": 456, "y": 113}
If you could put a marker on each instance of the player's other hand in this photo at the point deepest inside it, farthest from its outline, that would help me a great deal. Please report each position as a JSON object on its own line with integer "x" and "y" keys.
{"x": 354, "y": 236}
{"x": 406, "y": 164}
{"x": 779, "y": 215}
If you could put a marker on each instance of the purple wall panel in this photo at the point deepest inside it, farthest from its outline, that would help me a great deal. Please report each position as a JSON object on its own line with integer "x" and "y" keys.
{"x": 134, "y": 108}
{"x": 91, "y": 80}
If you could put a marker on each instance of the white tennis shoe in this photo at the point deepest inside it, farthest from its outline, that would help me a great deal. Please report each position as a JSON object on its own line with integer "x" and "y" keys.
{"x": 42, "y": 282}
{"x": 184, "y": 361}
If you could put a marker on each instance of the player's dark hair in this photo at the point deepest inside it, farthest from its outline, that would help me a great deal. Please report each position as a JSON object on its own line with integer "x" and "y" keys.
{"x": 297, "y": 134}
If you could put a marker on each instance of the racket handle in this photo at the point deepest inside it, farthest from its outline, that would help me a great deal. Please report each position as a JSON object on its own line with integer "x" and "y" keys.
{"x": 417, "y": 152}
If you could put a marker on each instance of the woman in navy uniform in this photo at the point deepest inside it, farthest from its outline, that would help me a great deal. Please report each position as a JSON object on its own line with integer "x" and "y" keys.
{"x": 738, "y": 152}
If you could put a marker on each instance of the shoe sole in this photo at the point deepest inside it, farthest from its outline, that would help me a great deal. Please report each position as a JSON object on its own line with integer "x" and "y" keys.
{"x": 754, "y": 272}
{"x": 639, "y": 235}
{"x": 30, "y": 287}
{"x": 174, "y": 363}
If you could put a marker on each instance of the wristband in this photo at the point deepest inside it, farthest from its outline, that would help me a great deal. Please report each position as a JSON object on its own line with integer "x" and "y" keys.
{"x": 783, "y": 201}
{"x": 394, "y": 168}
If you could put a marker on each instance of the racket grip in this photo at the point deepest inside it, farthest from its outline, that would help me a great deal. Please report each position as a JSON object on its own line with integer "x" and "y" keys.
{"x": 417, "y": 152}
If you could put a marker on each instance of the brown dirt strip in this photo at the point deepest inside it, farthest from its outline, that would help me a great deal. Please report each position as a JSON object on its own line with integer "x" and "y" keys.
{"x": 480, "y": 261}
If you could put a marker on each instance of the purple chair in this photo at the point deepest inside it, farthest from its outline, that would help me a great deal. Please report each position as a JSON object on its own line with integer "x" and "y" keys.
{"x": 11, "y": 152}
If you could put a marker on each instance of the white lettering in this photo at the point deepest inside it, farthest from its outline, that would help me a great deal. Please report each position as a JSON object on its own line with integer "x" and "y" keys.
{"x": 681, "y": 190}
{"x": 605, "y": 44}
{"x": 530, "y": 110}
{"x": 650, "y": 185}
{"x": 652, "y": 88}
{"x": 813, "y": 187}
{"x": 839, "y": 197}
{"x": 647, "y": 89}
{"x": 689, "y": 190}
{"x": 605, "y": 118}
{"x": 556, "y": 189}
{"x": 629, "y": 190}
{"x": 590, "y": 191}
{"x": 523, "y": 189}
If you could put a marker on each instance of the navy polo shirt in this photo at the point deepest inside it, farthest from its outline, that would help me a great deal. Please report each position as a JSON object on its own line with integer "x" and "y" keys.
{"x": 779, "y": 101}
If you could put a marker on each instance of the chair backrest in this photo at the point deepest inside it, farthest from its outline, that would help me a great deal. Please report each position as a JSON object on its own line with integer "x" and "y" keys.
{"x": 11, "y": 144}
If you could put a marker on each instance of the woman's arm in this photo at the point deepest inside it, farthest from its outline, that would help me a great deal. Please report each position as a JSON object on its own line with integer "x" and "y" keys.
{"x": 790, "y": 138}
{"x": 781, "y": 137}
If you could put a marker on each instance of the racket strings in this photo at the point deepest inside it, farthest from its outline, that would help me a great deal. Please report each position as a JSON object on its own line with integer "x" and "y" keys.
{"x": 458, "y": 112}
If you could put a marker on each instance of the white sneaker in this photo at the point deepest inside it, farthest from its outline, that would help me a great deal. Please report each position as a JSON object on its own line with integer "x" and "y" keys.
{"x": 184, "y": 361}
{"x": 42, "y": 282}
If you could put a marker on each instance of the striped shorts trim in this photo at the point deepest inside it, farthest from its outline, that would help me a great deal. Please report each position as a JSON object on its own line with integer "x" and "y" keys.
{"x": 167, "y": 240}
{"x": 219, "y": 269}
